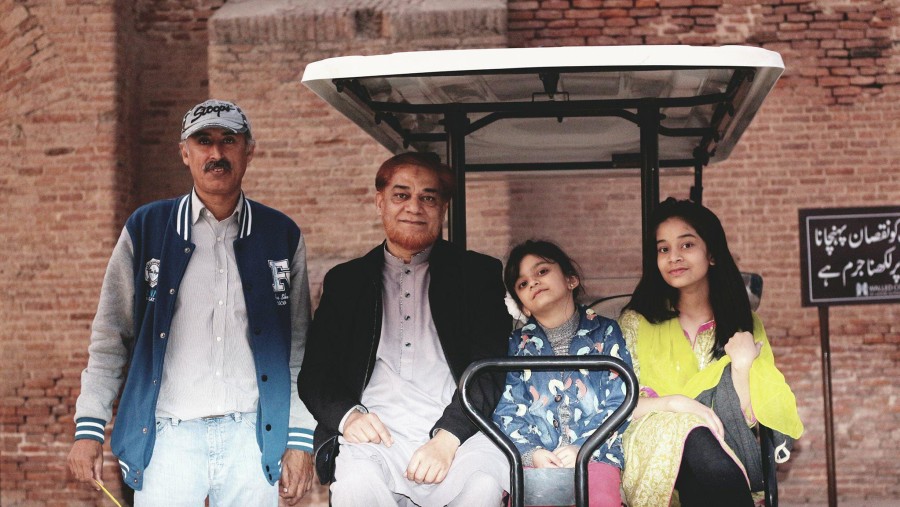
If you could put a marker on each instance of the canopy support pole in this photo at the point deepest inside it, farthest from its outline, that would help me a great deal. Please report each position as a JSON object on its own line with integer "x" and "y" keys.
{"x": 456, "y": 123}
{"x": 701, "y": 158}
{"x": 648, "y": 116}
{"x": 697, "y": 189}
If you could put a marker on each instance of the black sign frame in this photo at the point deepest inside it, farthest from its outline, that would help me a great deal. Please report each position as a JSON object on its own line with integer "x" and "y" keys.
{"x": 815, "y": 261}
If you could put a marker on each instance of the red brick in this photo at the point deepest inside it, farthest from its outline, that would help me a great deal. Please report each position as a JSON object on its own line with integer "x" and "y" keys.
{"x": 620, "y": 22}
{"x": 562, "y": 23}
{"x": 800, "y": 17}
{"x": 613, "y": 13}
{"x": 641, "y": 13}
{"x": 845, "y": 71}
{"x": 849, "y": 34}
{"x": 582, "y": 14}
{"x": 675, "y": 3}
{"x": 520, "y": 15}
{"x": 587, "y": 4}
{"x": 555, "y": 5}
{"x": 554, "y": 14}
{"x": 521, "y": 25}
{"x": 846, "y": 90}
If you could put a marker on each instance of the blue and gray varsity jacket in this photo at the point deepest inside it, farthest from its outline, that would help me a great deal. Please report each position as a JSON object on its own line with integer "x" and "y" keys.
{"x": 160, "y": 233}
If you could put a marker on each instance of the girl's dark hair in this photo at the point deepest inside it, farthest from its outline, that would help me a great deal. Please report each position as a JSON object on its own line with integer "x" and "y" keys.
{"x": 546, "y": 250}
{"x": 657, "y": 301}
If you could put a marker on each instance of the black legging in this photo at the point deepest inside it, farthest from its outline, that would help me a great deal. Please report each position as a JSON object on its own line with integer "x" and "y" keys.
{"x": 708, "y": 475}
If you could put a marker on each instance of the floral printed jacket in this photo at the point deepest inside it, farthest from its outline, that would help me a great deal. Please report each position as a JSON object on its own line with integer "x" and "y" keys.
{"x": 528, "y": 411}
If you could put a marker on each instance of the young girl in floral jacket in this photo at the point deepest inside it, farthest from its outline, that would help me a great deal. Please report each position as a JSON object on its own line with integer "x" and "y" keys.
{"x": 550, "y": 414}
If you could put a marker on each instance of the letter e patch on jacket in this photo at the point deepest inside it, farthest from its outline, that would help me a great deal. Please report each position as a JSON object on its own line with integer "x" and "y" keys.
{"x": 281, "y": 280}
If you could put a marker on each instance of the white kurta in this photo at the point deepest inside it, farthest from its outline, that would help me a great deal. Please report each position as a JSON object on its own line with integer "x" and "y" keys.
{"x": 410, "y": 387}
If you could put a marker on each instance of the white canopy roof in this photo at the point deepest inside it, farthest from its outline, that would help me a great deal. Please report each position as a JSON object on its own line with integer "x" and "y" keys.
{"x": 514, "y": 99}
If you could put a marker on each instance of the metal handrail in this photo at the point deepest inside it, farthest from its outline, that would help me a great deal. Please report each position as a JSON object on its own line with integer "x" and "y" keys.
{"x": 517, "y": 480}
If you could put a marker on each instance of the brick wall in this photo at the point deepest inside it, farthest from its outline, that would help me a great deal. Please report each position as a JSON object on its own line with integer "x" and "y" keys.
{"x": 91, "y": 96}
{"x": 81, "y": 84}
{"x": 63, "y": 205}
{"x": 170, "y": 44}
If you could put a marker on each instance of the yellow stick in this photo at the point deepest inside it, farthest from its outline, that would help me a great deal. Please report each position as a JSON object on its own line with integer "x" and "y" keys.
{"x": 111, "y": 497}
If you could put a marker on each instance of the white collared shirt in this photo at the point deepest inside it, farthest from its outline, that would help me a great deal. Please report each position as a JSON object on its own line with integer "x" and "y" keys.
{"x": 209, "y": 367}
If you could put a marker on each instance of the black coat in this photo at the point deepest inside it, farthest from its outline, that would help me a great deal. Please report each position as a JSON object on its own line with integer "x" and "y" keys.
{"x": 466, "y": 298}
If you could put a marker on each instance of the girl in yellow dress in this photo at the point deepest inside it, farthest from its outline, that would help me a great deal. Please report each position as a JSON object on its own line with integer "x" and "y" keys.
{"x": 705, "y": 367}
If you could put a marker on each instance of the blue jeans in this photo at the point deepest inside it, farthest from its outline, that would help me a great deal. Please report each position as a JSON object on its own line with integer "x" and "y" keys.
{"x": 216, "y": 457}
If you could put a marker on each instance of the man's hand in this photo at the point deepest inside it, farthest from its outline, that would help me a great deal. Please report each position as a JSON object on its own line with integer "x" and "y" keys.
{"x": 567, "y": 455}
{"x": 296, "y": 475}
{"x": 431, "y": 462}
{"x": 360, "y": 428}
{"x": 86, "y": 461}
{"x": 542, "y": 458}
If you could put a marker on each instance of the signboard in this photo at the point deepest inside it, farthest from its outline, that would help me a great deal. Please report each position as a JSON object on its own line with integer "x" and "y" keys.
{"x": 850, "y": 256}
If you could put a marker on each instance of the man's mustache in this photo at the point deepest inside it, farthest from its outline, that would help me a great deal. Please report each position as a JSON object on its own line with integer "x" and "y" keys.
{"x": 221, "y": 163}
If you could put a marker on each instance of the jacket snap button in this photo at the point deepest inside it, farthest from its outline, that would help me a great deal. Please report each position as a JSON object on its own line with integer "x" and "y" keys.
{"x": 162, "y": 335}
{"x": 171, "y": 291}
{"x": 268, "y": 427}
{"x": 145, "y": 430}
{"x": 187, "y": 250}
{"x": 265, "y": 378}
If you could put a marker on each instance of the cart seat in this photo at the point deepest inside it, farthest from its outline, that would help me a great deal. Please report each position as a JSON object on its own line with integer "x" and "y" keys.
{"x": 549, "y": 486}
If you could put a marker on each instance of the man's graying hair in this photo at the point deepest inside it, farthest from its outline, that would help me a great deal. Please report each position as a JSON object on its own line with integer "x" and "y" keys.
{"x": 429, "y": 161}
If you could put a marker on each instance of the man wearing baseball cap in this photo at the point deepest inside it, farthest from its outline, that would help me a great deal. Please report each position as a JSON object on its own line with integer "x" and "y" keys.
{"x": 203, "y": 315}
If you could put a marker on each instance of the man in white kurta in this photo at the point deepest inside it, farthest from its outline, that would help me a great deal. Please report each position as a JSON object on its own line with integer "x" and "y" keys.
{"x": 393, "y": 333}
{"x": 411, "y": 385}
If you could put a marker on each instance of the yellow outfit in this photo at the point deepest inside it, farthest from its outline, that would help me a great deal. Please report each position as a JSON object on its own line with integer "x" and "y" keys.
{"x": 665, "y": 363}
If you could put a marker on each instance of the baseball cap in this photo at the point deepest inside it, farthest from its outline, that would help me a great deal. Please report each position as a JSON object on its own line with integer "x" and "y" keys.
{"x": 214, "y": 113}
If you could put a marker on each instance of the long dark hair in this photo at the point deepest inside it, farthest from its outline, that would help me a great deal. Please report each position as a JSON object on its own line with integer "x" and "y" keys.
{"x": 657, "y": 301}
{"x": 546, "y": 250}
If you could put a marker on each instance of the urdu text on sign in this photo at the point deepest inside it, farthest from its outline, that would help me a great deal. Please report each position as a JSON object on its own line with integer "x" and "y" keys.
{"x": 850, "y": 255}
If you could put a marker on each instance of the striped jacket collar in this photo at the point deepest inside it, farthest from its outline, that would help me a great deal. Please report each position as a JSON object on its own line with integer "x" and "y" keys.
{"x": 189, "y": 207}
